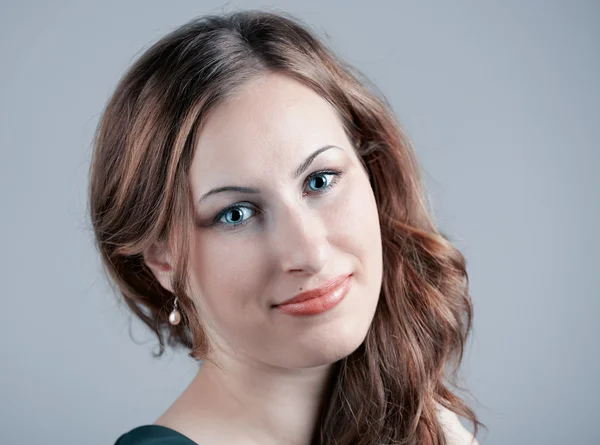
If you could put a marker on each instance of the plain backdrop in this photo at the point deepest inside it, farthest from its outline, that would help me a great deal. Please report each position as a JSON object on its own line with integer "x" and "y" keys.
{"x": 502, "y": 102}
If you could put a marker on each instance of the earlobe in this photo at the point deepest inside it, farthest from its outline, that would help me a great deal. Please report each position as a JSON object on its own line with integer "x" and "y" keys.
{"x": 158, "y": 260}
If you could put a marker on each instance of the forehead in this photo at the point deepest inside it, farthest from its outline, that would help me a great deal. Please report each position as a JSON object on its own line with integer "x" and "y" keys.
{"x": 275, "y": 120}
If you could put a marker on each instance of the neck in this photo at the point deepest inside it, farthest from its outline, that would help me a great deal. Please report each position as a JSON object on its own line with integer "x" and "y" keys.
{"x": 262, "y": 403}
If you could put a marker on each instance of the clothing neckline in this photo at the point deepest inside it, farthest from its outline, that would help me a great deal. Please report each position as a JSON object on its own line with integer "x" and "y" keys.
{"x": 165, "y": 429}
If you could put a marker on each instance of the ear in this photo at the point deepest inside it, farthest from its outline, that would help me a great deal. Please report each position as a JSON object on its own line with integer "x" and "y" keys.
{"x": 160, "y": 261}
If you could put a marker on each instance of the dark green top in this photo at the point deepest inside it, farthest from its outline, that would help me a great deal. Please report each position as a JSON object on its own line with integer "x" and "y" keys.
{"x": 153, "y": 435}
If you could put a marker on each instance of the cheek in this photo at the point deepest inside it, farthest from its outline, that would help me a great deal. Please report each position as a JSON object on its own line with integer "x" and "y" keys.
{"x": 225, "y": 275}
{"x": 355, "y": 230}
{"x": 355, "y": 215}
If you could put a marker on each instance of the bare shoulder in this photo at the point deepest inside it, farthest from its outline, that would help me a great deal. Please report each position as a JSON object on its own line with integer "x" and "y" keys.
{"x": 456, "y": 433}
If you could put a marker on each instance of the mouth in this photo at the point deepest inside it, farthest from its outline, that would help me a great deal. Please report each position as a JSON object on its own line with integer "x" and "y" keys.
{"x": 318, "y": 300}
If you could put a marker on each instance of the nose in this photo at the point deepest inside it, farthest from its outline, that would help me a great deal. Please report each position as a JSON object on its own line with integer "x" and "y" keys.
{"x": 299, "y": 240}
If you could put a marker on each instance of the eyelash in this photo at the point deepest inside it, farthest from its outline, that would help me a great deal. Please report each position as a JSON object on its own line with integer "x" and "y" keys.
{"x": 216, "y": 222}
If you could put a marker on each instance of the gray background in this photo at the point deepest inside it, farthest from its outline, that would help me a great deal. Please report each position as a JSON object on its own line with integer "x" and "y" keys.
{"x": 502, "y": 102}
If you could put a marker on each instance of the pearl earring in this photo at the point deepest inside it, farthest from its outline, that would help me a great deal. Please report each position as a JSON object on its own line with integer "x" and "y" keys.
{"x": 175, "y": 315}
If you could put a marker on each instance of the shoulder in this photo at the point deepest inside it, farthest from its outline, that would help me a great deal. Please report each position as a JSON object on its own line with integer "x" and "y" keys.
{"x": 456, "y": 433}
{"x": 153, "y": 435}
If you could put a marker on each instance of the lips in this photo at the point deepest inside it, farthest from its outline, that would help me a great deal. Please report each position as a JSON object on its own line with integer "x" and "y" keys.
{"x": 327, "y": 288}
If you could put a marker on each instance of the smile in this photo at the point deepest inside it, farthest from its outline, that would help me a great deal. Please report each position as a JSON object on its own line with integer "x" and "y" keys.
{"x": 319, "y": 300}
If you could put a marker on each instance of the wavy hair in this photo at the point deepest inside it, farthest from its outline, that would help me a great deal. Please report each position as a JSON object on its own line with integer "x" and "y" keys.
{"x": 386, "y": 392}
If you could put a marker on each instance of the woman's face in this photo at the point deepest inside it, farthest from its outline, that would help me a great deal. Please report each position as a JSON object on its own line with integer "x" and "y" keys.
{"x": 291, "y": 231}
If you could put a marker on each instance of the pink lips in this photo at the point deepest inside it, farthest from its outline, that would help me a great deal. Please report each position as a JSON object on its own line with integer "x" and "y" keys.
{"x": 318, "y": 300}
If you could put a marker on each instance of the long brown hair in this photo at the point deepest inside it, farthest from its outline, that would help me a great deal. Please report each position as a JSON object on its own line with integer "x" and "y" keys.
{"x": 387, "y": 390}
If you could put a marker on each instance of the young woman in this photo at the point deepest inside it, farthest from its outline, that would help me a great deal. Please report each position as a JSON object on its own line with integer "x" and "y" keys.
{"x": 258, "y": 205}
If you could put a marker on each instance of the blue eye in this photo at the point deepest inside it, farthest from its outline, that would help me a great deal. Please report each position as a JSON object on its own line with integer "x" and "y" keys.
{"x": 239, "y": 214}
{"x": 234, "y": 216}
{"x": 321, "y": 183}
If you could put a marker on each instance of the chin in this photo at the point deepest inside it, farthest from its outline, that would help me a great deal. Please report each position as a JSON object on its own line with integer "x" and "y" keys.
{"x": 325, "y": 346}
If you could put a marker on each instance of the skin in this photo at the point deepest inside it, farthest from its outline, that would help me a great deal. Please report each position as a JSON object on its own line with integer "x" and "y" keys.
{"x": 267, "y": 369}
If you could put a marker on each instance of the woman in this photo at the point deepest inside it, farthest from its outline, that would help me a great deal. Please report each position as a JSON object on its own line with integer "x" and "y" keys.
{"x": 259, "y": 206}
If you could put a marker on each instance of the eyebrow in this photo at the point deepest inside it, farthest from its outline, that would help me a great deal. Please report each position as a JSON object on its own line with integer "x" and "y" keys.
{"x": 301, "y": 169}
